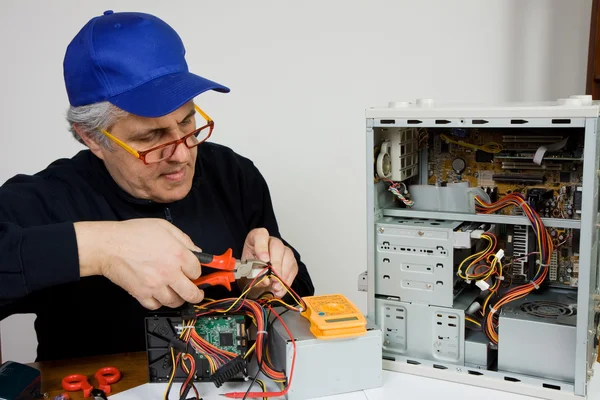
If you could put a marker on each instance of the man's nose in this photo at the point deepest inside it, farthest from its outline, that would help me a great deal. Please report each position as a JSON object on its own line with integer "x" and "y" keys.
{"x": 182, "y": 154}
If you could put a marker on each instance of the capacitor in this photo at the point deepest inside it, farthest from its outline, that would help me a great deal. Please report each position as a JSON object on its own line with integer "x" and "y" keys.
{"x": 552, "y": 204}
{"x": 458, "y": 165}
{"x": 553, "y": 233}
{"x": 561, "y": 237}
{"x": 569, "y": 270}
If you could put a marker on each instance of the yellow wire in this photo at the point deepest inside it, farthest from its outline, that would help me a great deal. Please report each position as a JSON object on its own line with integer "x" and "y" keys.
{"x": 286, "y": 289}
{"x": 172, "y": 374}
{"x": 262, "y": 386}
{"x": 473, "y": 321}
{"x": 250, "y": 350}
{"x": 476, "y": 255}
{"x": 487, "y": 299}
{"x": 490, "y": 147}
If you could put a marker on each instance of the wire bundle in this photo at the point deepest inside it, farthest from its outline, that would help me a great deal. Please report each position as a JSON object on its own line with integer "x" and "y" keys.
{"x": 394, "y": 188}
{"x": 486, "y": 259}
{"x": 545, "y": 249}
{"x": 260, "y": 312}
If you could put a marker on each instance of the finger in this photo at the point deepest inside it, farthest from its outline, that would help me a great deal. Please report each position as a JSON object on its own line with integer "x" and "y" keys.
{"x": 258, "y": 239}
{"x": 150, "y": 303}
{"x": 167, "y": 297}
{"x": 187, "y": 291}
{"x": 290, "y": 266}
{"x": 190, "y": 265}
{"x": 181, "y": 237}
{"x": 277, "y": 250}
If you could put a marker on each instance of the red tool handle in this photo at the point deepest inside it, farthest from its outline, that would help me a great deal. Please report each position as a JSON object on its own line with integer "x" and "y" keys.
{"x": 75, "y": 382}
{"x": 215, "y": 279}
{"x": 225, "y": 261}
{"x": 106, "y": 376}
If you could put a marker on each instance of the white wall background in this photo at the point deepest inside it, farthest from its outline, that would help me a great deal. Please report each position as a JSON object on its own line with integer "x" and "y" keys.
{"x": 301, "y": 75}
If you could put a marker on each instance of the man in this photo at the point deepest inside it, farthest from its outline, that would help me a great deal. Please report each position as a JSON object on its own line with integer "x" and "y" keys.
{"x": 91, "y": 243}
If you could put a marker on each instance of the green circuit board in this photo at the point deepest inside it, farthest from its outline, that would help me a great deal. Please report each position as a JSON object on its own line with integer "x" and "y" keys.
{"x": 227, "y": 332}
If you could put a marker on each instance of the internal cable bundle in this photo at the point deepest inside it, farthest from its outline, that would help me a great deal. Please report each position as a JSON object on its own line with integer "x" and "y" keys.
{"x": 545, "y": 248}
{"x": 225, "y": 364}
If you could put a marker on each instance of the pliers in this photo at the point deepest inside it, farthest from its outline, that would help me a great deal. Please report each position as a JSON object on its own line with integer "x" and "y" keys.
{"x": 232, "y": 269}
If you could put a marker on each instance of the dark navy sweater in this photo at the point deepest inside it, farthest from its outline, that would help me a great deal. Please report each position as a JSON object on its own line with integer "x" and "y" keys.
{"x": 39, "y": 266}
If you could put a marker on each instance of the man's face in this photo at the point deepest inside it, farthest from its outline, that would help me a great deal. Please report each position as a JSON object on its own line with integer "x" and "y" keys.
{"x": 166, "y": 181}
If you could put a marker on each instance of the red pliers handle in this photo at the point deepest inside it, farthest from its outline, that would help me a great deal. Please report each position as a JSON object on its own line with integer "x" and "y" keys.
{"x": 225, "y": 262}
{"x": 230, "y": 268}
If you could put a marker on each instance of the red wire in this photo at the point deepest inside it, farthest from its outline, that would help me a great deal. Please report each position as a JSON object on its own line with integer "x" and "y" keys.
{"x": 239, "y": 395}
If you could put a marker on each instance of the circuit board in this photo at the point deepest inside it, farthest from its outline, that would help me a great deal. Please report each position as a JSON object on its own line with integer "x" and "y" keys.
{"x": 225, "y": 332}
{"x": 553, "y": 186}
{"x": 564, "y": 263}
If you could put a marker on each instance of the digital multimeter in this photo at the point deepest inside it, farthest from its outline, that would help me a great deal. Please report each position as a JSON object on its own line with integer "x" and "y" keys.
{"x": 333, "y": 317}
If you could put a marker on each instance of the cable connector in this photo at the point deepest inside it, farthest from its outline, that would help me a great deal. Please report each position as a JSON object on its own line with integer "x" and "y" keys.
{"x": 178, "y": 344}
{"x": 187, "y": 311}
{"x": 483, "y": 285}
{"x": 499, "y": 278}
{"x": 228, "y": 371}
{"x": 500, "y": 254}
{"x": 535, "y": 285}
{"x": 468, "y": 281}
{"x": 476, "y": 234}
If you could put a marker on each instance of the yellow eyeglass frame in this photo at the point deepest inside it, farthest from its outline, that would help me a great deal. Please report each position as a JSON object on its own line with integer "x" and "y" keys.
{"x": 142, "y": 154}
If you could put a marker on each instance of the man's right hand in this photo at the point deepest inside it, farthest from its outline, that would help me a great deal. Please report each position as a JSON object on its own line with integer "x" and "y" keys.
{"x": 150, "y": 258}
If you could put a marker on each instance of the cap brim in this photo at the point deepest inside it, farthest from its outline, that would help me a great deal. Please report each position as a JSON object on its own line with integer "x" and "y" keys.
{"x": 165, "y": 94}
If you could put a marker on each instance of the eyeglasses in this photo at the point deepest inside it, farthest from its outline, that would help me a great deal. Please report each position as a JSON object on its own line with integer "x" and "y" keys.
{"x": 166, "y": 150}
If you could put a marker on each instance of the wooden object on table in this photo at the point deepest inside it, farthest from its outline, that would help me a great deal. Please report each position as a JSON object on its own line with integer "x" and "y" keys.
{"x": 593, "y": 68}
{"x": 133, "y": 367}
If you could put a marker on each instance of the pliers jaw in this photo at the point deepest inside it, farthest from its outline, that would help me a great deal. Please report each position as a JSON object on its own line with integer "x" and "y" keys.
{"x": 249, "y": 269}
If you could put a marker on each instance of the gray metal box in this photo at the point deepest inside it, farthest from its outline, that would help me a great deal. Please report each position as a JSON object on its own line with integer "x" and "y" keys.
{"x": 423, "y": 331}
{"x": 415, "y": 260}
{"x": 537, "y": 336}
{"x": 326, "y": 367}
{"x": 478, "y": 353}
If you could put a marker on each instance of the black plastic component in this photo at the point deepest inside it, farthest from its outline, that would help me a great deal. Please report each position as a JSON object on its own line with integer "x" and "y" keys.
{"x": 98, "y": 394}
{"x": 519, "y": 178}
{"x": 19, "y": 382}
{"x": 228, "y": 371}
{"x": 162, "y": 334}
{"x": 565, "y": 177}
{"x": 444, "y": 147}
{"x": 537, "y": 196}
{"x": 575, "y": 241}
{"x": 226, "y": 339}
{"x": 178, "y": 344}
{"x": 494, "y": 195}
{"x": 577, "y": 198}
{"x": 187, "y": 311}
{"x": 483, "y": 156}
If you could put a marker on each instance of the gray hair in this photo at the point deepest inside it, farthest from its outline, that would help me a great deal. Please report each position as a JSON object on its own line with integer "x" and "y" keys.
{"x": 91, "y": 118}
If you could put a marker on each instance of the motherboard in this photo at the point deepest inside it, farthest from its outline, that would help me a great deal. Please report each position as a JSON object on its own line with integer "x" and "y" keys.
{"x": 552, "y": 185}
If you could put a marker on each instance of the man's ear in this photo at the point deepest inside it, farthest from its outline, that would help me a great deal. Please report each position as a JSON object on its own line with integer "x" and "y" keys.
{"x": 94, "y": 146}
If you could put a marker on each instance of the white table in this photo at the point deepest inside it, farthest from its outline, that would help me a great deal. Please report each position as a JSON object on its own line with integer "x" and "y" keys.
{"x": 395, "y": 386}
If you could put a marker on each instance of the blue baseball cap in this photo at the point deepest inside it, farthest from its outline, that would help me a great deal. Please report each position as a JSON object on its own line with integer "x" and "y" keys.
{"x": 133, "y": 60}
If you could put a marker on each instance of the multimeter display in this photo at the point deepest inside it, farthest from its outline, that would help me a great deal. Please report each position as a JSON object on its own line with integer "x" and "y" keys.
{"x": 333, "y": 317}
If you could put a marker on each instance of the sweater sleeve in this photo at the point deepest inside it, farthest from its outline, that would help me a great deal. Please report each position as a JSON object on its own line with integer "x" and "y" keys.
{"x": 260, "y": 214}
{"x": 38, "y": 249}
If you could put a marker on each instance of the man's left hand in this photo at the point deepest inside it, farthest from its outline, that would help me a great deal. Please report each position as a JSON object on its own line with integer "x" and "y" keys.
{"x": 259, "y": 245}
